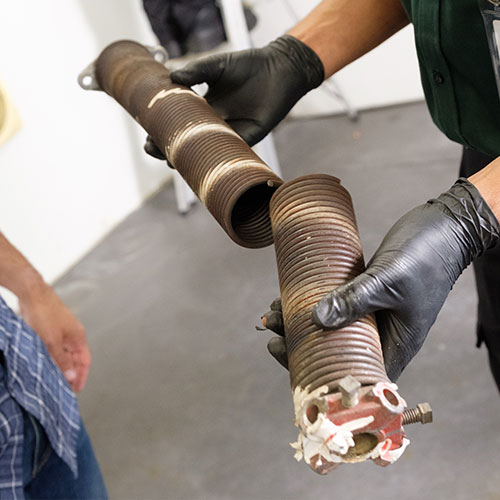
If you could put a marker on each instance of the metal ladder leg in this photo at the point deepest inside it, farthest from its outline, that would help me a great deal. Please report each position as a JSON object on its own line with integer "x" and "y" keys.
{"x": 238, "y": 36}
{"x": 330, "y": 85}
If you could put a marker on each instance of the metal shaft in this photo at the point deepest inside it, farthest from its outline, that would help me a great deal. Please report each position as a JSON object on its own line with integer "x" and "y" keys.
{"x": 317, "y": 249}
{"x": 223, "y": 171}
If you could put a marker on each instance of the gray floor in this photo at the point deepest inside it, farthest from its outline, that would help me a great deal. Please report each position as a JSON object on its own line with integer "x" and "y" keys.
{"x": 183, "y": 401}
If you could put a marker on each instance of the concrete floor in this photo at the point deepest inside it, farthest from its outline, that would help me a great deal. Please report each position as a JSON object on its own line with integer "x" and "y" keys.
{"x": 183, "y": 401}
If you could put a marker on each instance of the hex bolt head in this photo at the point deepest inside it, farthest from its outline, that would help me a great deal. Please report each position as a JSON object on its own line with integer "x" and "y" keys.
{"x": 349, "y": 388}
{"x": 425, "y": 412}
{"x": 422, "y": 413}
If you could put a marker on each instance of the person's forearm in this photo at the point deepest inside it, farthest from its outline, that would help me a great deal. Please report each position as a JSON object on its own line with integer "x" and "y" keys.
{"x": 340, "y": 31}
{"x": 487, "y": 182}
{"x": 46, "y": 314}
{"x": 16, "y": 273}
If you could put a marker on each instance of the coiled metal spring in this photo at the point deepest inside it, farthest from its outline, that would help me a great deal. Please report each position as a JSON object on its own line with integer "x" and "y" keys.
{"x": 223, "y": 171}
{"x": 317, "y": 249}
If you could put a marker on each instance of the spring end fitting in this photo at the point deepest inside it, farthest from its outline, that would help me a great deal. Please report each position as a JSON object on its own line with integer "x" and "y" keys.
{"x": 354, "y": 424}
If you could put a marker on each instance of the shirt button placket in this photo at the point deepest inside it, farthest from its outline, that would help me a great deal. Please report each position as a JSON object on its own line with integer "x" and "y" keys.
{"x": 438, "y": 77}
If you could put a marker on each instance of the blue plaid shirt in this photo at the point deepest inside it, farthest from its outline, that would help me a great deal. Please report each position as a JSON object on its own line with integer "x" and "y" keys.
{"x": 29, "y": 379}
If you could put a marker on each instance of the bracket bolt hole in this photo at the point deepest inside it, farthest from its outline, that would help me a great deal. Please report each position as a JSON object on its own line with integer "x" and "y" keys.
{"x": 160, "y": 57}
{"x": 86, "y": 81}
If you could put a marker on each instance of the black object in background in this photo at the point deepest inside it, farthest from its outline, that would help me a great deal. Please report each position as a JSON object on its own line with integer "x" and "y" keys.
{"x": 184, "y": 26}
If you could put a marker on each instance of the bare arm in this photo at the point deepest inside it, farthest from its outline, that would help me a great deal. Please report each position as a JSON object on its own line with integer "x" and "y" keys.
{"x": 253, "y": 90}
{"x": 16, "y": 273}
{"x": 42, "y": 309}
{"x": 487, "y": 181}
{"x": 341, "y": 31}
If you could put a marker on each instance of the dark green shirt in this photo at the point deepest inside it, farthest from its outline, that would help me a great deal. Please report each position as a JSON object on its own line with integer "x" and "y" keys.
{"x": 457, "y": 72}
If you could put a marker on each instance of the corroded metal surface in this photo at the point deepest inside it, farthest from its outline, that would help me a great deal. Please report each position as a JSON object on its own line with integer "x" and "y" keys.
{"x": 223, "y": 171}
{"x": 346, "y": 408}
{"x": 317, "y": 249}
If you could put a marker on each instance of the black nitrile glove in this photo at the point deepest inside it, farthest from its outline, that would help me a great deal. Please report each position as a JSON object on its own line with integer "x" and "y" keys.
{"x": 153, "y": 150}
{"x": 273, "y": 320}
{"x": 253, "y": 90}
{"x": 412, "y": 272}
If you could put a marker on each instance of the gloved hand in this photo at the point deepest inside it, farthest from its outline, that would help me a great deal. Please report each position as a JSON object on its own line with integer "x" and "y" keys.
{"x": 273, "y": 320}
{"x": 153, "y": 150}
{"x": 411, "y": 274}
{"x": 253, "y": 90}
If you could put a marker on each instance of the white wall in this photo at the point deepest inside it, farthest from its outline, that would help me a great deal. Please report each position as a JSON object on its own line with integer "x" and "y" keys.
{"x": 76, "y": 168}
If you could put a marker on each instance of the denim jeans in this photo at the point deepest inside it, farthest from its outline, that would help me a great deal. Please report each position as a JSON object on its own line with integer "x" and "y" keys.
{"x": 46, "y": 476}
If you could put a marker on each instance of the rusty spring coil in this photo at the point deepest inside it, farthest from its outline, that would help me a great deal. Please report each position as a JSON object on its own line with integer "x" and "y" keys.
{"x": 223, "y": 171}
{"x": 317, "y": 249}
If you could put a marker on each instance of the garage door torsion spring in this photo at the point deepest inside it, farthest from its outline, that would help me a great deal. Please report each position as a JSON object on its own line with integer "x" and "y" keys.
{"x": 317, "y": 249}
{"x": 223, "y": 171}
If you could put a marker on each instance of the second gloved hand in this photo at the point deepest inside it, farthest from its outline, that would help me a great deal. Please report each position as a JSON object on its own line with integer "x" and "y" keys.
{"x": 253, "y": 90}
{"x": 411, "y": 274}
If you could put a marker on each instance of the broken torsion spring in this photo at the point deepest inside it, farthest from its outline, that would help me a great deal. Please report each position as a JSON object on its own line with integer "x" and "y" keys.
{"x": 223, "y": 171}
{"x": 346, "y": 408}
